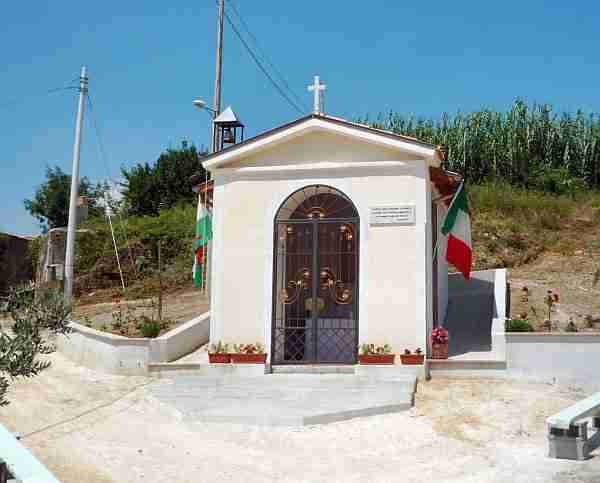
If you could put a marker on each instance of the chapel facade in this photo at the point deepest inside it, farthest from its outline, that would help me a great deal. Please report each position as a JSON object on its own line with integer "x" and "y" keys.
{"x": 326, "y": 235}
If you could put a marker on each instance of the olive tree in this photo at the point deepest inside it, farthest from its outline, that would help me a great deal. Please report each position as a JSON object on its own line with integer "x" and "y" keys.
{"x": 37, "y": 318}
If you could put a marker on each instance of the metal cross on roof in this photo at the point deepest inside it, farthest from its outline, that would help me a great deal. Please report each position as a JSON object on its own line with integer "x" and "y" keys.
{"x": 317, "y": 88}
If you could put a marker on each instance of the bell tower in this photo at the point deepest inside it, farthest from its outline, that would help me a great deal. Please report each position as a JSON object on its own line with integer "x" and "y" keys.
{"x": 226, "y": 125}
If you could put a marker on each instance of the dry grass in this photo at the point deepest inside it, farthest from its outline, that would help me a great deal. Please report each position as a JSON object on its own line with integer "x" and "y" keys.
{"x": 548, "y": 242}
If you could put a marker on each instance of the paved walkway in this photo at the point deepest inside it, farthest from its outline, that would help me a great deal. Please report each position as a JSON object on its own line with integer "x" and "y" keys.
{"x": 284, "y": 399}
{"x": 89, "y": 427}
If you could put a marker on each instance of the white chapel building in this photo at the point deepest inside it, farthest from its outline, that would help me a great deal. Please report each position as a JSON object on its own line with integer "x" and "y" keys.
{"x": 323, "y": 239}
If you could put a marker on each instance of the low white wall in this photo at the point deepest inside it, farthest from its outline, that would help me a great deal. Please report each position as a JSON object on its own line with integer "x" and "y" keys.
{"x": 115, "y": 354}
{"x": 500, "y": 293}
{"x": 21, "y": 463}
{"x": 554, "y": 356}
{"x": 105, "y": 352}
{"x": 499, "y": 339}
{"x": 499, "y": 315}
{"x": 182, "y": 340}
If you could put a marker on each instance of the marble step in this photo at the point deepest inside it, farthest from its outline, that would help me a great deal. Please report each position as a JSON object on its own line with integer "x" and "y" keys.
{"x": 312, "y": 369}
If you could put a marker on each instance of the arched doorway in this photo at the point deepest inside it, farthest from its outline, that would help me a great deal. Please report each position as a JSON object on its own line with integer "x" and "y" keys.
{"x": 315, "y": 318}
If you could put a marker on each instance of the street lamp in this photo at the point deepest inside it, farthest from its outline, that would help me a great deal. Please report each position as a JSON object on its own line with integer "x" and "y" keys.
{"x": 201, "y": 104}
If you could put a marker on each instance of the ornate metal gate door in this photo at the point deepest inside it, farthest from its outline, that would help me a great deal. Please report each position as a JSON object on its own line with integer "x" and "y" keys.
{"x": 315, "y": 306}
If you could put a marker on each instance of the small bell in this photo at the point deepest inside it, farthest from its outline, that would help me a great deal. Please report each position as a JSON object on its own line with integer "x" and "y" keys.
{"x": 228, "y": 137}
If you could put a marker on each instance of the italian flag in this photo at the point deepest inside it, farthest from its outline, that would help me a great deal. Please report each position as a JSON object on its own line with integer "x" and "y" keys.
{"x": 203, "y": 236}
{"x": 457, "y": 227}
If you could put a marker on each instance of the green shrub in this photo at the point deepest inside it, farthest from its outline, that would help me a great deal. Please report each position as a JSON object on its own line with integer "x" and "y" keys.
{"x": 150, "y": 328}
{"x": 571, "y": 327}
{"x": 519, "y": 325}
{"x": 559, "y": 181}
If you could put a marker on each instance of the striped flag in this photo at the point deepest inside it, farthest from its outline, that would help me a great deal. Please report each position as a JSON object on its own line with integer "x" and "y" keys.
{"x": 457, "y": 227}
{"x": 203, "y": 236}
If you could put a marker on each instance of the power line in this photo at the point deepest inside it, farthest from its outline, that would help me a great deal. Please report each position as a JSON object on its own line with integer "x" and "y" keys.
{"x": 265, "y": 56}
{"x": 100, "y": 144}
{"x": 102, "y": 153}
{"x": 262, "y": 67}
{"x": 39, "y": 94}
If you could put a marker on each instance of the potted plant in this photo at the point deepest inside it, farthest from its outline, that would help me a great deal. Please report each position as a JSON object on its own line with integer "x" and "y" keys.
{"x": 248, "y": 354}
{"x": 412, "y": 359}
{"x": 439, "y": 343}
{"x": 219, "y": 353}
{"x": 376, "y": 354}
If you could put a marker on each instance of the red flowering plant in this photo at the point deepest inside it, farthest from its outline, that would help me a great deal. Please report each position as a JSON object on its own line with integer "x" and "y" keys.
{"x": 248, "y": 354}
{"x": 439, "y": 335}
{"x": 256, "y": 348}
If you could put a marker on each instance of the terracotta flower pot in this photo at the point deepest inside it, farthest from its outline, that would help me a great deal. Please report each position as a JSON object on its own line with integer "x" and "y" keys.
{"x": 439, "y": 351}
{"x": 376, "y": 358}
{"x": 412, "y": 359}
{"x": 248, "y": 358}
{"x": 219, "y": 358}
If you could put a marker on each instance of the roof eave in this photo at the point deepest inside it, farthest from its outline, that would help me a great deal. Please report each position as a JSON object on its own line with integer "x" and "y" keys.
{"x": 281, "y": 133}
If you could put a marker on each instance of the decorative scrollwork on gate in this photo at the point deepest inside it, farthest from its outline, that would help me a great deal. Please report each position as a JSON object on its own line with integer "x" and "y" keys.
{"x": 340, "y": 292}
{"x": 294, "y": 288}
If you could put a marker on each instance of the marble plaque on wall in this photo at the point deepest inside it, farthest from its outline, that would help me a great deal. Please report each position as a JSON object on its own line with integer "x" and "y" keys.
{"x": 392, "y": 215}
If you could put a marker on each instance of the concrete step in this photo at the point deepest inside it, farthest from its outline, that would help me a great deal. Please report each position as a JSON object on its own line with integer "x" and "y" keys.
{"x": 468, "y": 368}
{"x": 312, "y": 369}
{"x": 169, "y": 369}
{"x": 177, "y": 369}
{"x": 284, "y": 399}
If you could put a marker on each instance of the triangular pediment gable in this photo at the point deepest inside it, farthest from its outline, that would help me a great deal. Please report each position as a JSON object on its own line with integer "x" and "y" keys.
{"x": 319, "y": 138}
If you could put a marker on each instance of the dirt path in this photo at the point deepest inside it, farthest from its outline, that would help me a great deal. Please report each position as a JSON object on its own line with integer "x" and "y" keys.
{"x": 102, "y": 428}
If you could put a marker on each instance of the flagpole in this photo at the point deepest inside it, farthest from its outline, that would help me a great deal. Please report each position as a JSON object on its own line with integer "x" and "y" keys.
{"x": 196, "y": 234}
{"x": 437, "y": 243}
{"x": 462, "y": 183}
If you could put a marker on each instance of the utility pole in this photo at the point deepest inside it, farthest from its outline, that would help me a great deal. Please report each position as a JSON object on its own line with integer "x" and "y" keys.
{"x": 68, "y": 278}
{"x": 215, "y": 135}
{"x": 218, "y": 74}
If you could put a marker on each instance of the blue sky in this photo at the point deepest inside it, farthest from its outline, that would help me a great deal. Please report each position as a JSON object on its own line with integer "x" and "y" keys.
{"x": 148, "y": 60}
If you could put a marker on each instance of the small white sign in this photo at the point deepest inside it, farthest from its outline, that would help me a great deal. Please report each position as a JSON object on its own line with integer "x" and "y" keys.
{"x": 392, "y": 215}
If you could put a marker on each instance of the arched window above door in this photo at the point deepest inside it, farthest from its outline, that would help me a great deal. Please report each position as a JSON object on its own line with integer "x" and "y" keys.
{"x": 316, "y": 202}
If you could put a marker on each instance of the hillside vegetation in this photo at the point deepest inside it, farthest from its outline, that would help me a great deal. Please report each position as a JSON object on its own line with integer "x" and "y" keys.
{"x": 548, "y": 243}
{"x": 528, "y": 145}
{"x": 513, "y": 226}
{"x": 138, "y": 239}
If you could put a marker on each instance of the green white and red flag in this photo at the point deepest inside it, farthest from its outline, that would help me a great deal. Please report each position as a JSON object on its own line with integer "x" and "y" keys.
{"x": 203, "y": 236}
{"x": 457, "y": 227}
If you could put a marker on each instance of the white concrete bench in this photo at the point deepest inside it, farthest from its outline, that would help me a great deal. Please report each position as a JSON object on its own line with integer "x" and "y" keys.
{"x": 20, "y": 463}
{"x": 568, "y": 430}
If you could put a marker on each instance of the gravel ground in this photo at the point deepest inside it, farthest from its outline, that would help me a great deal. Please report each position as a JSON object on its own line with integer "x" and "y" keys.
{"x": 91, "y": 427}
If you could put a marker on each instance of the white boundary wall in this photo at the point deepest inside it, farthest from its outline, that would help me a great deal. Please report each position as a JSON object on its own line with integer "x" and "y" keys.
{"x": 553, "y": 356}
{"x": 499, "y": 315}
{"x": 181, "y": 340}
{"x": 115, "y": 354}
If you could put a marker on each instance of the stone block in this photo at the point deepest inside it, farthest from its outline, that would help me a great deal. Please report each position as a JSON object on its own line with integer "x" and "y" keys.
{"x": 564, "y": 447}
{"x": 571, "y": 444}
